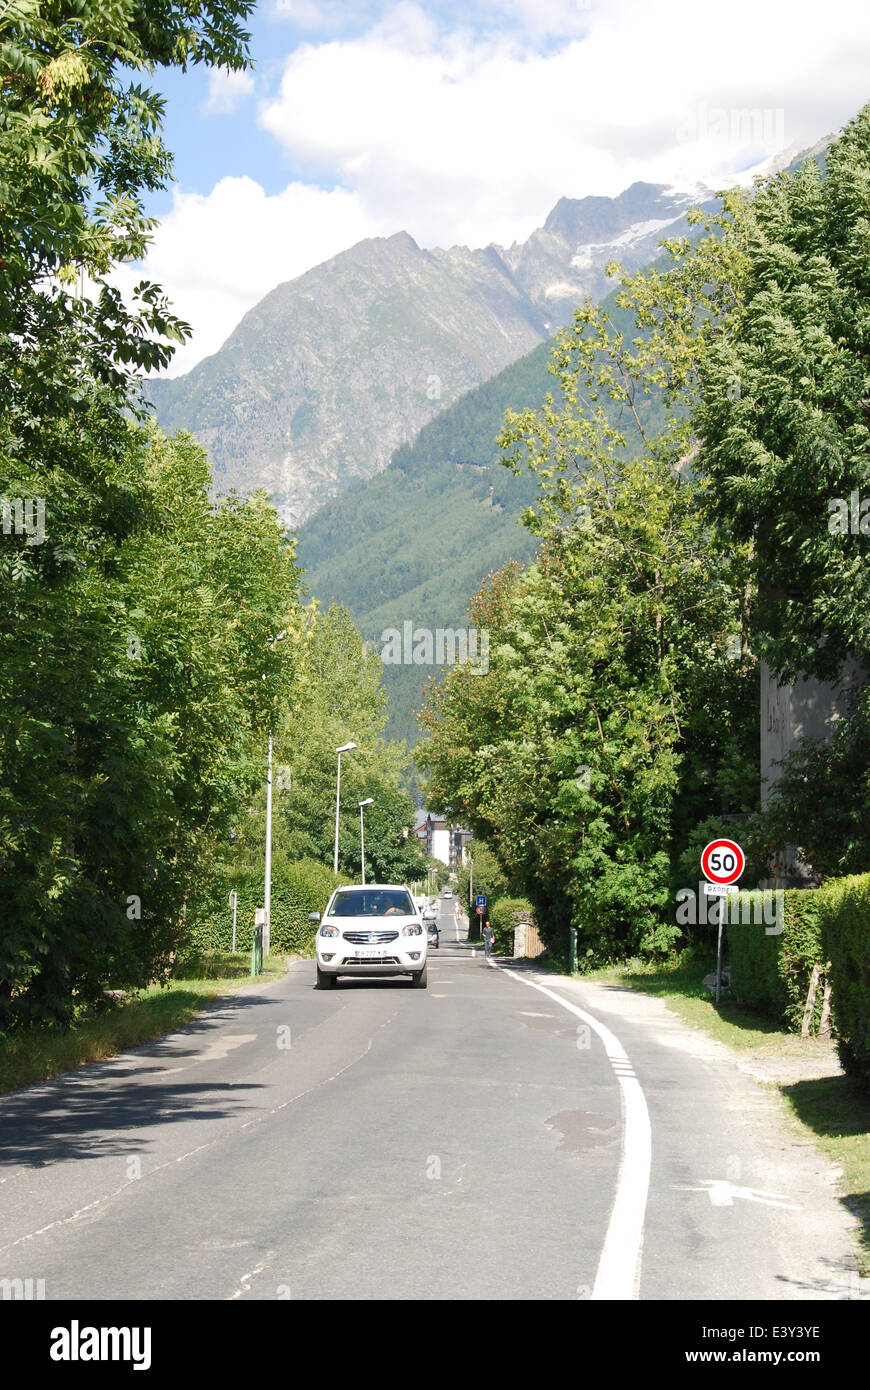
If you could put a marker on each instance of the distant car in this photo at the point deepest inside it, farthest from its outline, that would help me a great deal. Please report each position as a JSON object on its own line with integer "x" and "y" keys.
{"x": 372, "y": 930}
{"x": 447, "y": 893}
{"x": 433, "y": 936}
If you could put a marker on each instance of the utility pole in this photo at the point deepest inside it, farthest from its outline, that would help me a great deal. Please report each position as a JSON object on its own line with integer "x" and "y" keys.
{"x": 345, "y": 748}
{"x": 362, "y": 836}
{"x": 267, "y": 890}
{"x": 268, "y": 887}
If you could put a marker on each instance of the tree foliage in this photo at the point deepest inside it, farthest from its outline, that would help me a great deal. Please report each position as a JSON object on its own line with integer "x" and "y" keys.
{"x": 339, "y": 699}
{"x": 618, "y": 710}
{"x": 133, "y": 706}
{"x": 135, "y": 617}
{"x": 784, "y": 409}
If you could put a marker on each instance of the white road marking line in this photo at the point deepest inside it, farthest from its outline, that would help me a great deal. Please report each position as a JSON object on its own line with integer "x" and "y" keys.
{"x": 619, "y": 1266}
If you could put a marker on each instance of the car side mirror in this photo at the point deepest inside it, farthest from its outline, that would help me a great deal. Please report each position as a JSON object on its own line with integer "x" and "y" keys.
{"x": 314, "y": 916}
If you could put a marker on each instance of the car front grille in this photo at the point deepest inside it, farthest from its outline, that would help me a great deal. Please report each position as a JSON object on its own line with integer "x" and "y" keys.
{"x": 371, "y": 960}
{"x": 370, "y": 938}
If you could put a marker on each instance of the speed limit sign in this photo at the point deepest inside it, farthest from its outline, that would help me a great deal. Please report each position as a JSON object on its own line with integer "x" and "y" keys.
{"x": 723, "y": 861}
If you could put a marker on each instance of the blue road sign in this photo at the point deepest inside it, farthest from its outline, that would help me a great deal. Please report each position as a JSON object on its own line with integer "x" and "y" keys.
{"x": 480, "y": 901}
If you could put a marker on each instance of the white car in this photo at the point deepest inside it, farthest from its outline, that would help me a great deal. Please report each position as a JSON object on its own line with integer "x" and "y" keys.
{"x": 375, "y": 930}
{"x": 447, "y": 893}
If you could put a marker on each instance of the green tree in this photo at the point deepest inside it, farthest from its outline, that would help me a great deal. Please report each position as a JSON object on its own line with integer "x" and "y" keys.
{"x": 126, "y": 693}
{"x": 784, "y": 416}
{"x": 489, "y": 879}
{"x": 575, "y": 772}
{"x": 134, "y": 695}
{"x": 620, "y": 680}
{"x": 338, "y": 699}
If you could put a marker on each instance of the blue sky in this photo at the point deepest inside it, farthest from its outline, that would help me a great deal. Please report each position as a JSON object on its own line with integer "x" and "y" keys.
{"x": 463, "y": 124}
{"x": 209, "y": 145}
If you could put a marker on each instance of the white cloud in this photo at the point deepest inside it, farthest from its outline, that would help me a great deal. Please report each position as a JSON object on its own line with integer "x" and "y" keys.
{"x": 463, "y": 138}
{"x": 470, "y": 136}
{"x": 226, "y": 89}
{"x": 216, "y": 256}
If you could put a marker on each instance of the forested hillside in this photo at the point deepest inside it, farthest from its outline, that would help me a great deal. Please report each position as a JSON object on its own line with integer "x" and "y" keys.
{"x": 415, "y": 542}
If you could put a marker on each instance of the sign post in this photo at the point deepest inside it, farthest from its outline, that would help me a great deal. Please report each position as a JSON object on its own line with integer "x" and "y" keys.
{"x": 722, "y": 863}
{"x": 234, "y": 902}
{"x": 257, "y": 944}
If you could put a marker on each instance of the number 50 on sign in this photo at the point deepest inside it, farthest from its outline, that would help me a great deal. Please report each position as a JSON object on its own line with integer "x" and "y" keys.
{"x": 723, "y": 861}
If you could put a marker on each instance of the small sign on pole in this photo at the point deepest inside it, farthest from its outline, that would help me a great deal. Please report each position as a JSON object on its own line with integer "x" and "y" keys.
{"x": 234, "y": 902}
{"x": 480, "y": 911}
{"x": 722, "y": 862}
{"x": 480, "y": 900}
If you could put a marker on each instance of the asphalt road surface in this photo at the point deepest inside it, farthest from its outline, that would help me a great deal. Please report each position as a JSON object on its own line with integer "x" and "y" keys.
{"x": 502, "y": 1134}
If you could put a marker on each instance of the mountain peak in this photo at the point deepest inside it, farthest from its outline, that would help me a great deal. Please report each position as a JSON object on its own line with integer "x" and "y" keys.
{"x": 330, "y": 372}
{"x": 596, "y": 217}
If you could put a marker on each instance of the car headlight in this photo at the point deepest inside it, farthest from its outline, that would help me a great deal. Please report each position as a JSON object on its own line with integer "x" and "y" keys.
{"x": 412, "y": 929}
{"x": 329, "y": 931}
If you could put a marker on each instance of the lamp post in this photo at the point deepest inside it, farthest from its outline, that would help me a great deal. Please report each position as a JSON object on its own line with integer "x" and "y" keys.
{"x": 267, "y": 893}
{"x": 362, "y": 836}
{"x": 345, "y": 748}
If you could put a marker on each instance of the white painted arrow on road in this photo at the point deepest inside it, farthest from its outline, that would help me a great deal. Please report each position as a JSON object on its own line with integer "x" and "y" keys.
{"x": 722, "y": 1194}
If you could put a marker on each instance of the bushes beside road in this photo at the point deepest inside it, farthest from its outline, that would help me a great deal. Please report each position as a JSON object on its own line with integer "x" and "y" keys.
{"x": 297, "y": 889}
{"x": 827, "y": 927}
{"x": 772, "y": 973}
{"x": 504, "y": 914}
{"x": 845, "y": 929}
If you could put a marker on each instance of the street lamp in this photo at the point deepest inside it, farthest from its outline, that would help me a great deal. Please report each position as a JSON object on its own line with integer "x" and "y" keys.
{"x": 267, "y": 894}
{"x": 345, "y": 748}
{"x": 362, "y": 836}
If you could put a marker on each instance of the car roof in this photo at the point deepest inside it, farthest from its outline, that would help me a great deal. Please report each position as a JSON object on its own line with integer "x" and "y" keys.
{"x": 364, "y": 887}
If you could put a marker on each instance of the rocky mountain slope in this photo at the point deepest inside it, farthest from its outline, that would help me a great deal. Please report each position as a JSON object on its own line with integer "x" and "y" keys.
{"x": 414, "y": 543}
{"x": 330, "y": 373}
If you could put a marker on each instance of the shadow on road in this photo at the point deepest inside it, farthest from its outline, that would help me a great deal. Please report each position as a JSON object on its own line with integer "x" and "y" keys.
{"x": 101, "y": 1108}
{"x": 89, "y": 1122}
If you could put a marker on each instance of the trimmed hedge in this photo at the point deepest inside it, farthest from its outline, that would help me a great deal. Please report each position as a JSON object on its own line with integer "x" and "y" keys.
{"x": 504, "y": 914}
{"x": 845, "y": 925}
{"x": 772, "y": 973}
{"x": 297, "y": 889}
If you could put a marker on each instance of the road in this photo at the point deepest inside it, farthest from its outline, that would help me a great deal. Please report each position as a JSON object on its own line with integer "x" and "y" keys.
{"x": 502, "y": 1134}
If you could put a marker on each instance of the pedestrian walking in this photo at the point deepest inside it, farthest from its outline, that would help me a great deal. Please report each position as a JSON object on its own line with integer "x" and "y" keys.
{"x": 488, "y": 939}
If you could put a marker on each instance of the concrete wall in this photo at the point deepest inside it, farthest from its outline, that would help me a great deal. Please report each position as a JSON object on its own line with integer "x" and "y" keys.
{"x": 807, "y": 709}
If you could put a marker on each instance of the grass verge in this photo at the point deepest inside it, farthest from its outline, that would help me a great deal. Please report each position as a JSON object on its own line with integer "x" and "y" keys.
{"x": 833, "y": 1110}
{"x": 42, "y": 1053}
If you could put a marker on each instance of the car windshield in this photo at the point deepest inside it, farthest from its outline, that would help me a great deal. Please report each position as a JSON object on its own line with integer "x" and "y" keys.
{"x": 372, "y": 902}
